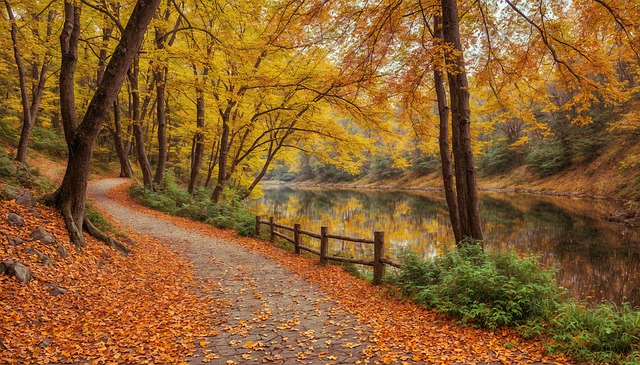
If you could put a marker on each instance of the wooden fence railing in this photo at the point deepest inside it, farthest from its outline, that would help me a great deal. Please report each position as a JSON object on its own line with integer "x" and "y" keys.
{"x": 378, "y": 262}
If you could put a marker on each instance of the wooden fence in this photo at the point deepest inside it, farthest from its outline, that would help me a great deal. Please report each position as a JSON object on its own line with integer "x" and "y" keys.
{"x": 378, "y": 262}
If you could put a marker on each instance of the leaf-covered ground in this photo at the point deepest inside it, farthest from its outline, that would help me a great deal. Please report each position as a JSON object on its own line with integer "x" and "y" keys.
{"x": 137, "y": 309}
{"x": 149, "y": 307}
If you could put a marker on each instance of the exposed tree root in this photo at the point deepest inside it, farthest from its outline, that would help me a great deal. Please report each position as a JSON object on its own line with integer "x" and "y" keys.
{"x": 74, "y": 232}
{"x": 109, "y": 241}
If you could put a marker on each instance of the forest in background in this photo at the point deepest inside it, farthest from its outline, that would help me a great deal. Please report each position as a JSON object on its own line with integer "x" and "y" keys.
{"x": 226, "y": 94}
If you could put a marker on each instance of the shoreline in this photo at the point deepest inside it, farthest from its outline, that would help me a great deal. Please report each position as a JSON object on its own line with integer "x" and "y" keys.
{"x": 278, "y": 183}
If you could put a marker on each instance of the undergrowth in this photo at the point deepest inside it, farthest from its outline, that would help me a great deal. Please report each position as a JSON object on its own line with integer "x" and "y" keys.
{"x": 494, "y": 289}
{"x": 14, "y": 173}
{"x": 177, "y": 201}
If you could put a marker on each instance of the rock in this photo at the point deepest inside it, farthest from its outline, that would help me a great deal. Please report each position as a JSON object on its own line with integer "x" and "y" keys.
{"x": 15, "y": 220}
{"x": 14, "y": 241}
{"x": 45, "y": 343}
{"x": 62, "y": 251}
{"x": 42, "y": 257}
{"x": 21, "y": 196}
{"x": 41, "y": 234}
{"x": 17, "y": 270}
{"x": 55, "y": 290}
{"x": 35, "y": 213}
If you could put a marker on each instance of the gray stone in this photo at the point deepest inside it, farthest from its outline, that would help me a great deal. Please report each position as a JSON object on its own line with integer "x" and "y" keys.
{"x": 41, "y": 234}
{"x": 17, "y": 270}
{"x": 42, "y": 257}
{"x": 35, "y": 213}
{"x": 45, "y": 343}
{"x": 15, "y": 220}
{"x": 14, "y": 241}
{"x": 21, "y": 196}
{"x": 55, "y": 290}
{"x": 62, "y": 251}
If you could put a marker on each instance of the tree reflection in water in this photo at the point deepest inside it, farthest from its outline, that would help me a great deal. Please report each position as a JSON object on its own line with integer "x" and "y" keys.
{"x": 596, "y": 260}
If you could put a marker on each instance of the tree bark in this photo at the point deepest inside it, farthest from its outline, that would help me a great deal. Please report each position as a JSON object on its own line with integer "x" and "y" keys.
{"x": 443, "y": 138}
{"x": 198, "y": 141}
{"x": 460, "y": 125}
{"x": 29, "y": 109}
{"x": 161, "y": 117}
{"x": 213, "y": 160}
{"x": 138, "y": 134}
{"x": 125, "y": 164}
{"x": 70, "y": 198}
{"x": 223, "y": 158}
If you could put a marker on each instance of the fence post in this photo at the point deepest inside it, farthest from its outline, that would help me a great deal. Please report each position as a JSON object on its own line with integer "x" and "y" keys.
{"x": 378, "y": 252}
{"x": 258, "y": 219}
{"x": 324, "y": 245}
{"x": 297, "y": 238}
{"x": 272, "y": 230}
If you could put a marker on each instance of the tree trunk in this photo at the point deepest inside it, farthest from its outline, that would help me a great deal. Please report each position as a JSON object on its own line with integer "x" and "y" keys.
{"x": 27, "y": 126}
{"x": 125, "y": 164}
{"x": 160, "y": 78}
{"x": 70, "y": 198}
{"x": 460, "y": 125}
{"x": 443, "y": 138}
{"x": 222, "y": 161}
{"x": 198, "y": 141}
{"x": 138, "y": 134}
{"x": 213, "y": 160}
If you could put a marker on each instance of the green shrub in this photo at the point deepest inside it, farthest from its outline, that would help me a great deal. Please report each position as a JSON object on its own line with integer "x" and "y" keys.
{"x": 7, "y": 132}
{"x": 487, "y": 289}
{"x": 49, "y": 141}
{"x": 602, "y": 334}
{"x": 177, "y": 201}
{"x": 425, "y": 164}
{"x": 12, "y": 172}
{"x": 498, "y": 159}
{"x": 548, "y": 157}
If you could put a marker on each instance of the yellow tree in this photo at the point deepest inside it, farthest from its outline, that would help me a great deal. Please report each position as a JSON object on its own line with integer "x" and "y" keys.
{"x": 32, "y": 34}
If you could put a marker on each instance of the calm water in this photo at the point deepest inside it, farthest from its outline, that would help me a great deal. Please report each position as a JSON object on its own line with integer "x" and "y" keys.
{"x": 595, "y": 259}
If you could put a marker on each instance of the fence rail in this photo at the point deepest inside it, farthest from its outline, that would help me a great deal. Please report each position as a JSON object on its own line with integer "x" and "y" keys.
{"x": 378, "y": 262}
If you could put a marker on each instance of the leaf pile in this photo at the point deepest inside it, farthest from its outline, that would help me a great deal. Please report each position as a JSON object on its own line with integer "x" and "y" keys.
{"x": 399, "y": 326}
{"x": 142, "y": 308}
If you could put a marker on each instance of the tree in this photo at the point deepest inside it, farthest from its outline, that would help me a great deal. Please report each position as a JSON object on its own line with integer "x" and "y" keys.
{"x": 70, "y": 197}
{"x": 39, "y": 68}
{"x": 466, "y": 187}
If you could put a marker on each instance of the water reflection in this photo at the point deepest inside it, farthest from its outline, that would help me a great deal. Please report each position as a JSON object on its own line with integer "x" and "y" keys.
{"x": 595, "y": 259}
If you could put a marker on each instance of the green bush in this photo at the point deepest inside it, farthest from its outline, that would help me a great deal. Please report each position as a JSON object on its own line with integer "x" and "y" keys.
{"x": 548, "y": 157}
{"x": 487, "y": 289}
{"x": 602, "y": 334}
{"x": 12, "y": 172}
{"x": 179, "y": 202}
{"x": 49, "y": 141}
{"x": 7, "y": 132}
{"x": 498, "y": 159}
{"x": 425, "y": 164}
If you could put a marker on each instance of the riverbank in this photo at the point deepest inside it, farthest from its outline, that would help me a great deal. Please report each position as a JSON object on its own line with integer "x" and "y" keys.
{"x": 614, "y": 174}
{"x": 417, "y": 185}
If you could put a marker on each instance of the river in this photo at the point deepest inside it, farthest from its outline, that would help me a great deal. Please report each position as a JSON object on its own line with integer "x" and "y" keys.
{"x": 595, "y": 259}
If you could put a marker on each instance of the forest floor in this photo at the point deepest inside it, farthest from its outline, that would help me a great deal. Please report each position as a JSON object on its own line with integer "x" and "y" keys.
{"x": 191, "y": 293}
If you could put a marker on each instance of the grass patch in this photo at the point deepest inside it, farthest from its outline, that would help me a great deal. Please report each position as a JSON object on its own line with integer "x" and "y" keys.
{"x": 100, "y": 222}
{"x": 494, "y": 289}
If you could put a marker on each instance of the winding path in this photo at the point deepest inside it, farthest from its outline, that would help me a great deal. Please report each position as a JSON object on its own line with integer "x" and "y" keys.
{"x": 273, "y": 315}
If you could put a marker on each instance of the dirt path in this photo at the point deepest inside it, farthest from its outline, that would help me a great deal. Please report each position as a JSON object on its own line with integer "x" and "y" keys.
{"x": 273, "y": 317}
